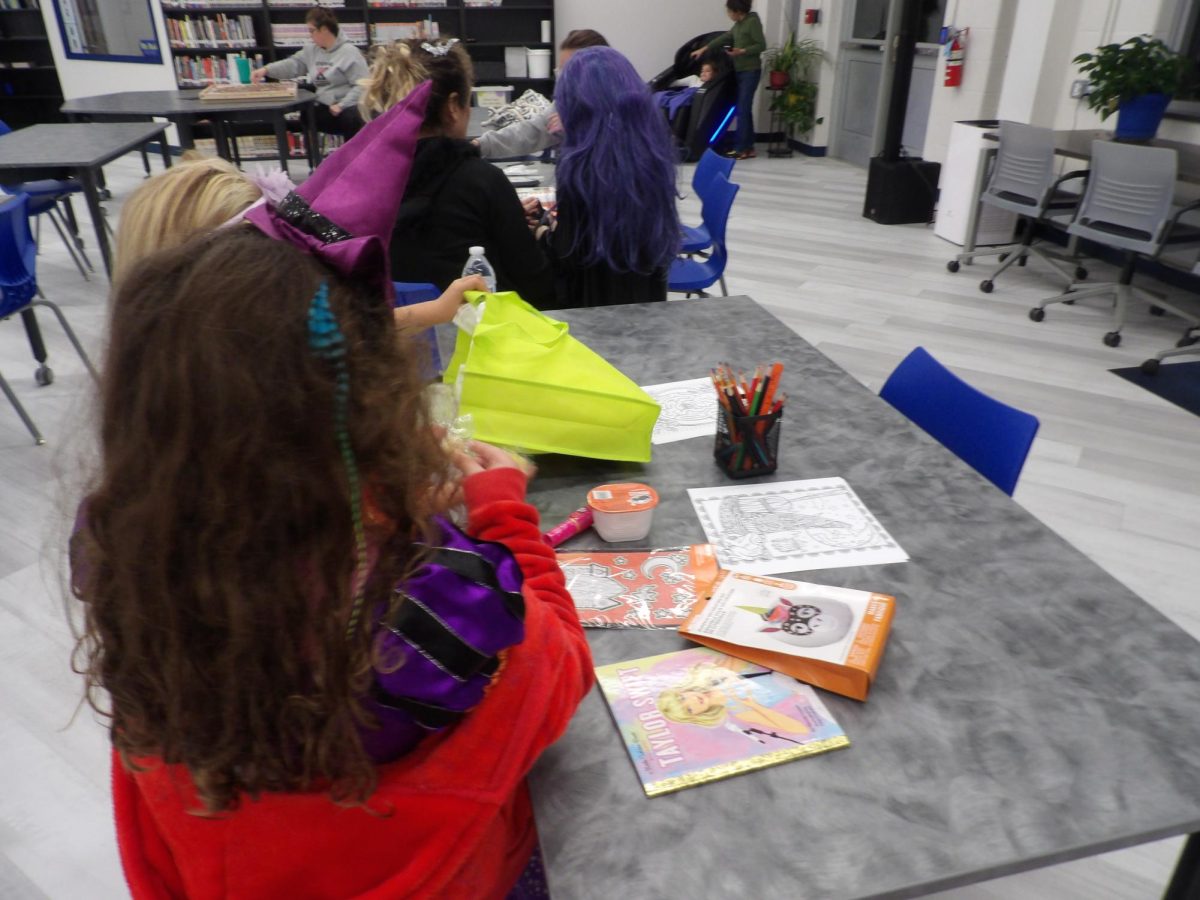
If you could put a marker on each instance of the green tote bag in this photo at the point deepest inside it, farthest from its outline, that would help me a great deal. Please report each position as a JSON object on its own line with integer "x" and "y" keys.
{"x": 527, "y": 383}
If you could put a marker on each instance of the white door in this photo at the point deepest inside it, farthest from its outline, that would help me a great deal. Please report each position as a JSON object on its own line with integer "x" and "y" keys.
{"x": 859, "y": 103}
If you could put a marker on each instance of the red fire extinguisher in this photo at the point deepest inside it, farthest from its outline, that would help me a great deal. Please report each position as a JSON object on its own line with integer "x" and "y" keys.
{"x": 956, "y": 52}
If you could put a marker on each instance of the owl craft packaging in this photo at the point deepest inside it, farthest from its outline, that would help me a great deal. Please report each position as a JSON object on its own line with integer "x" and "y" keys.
{"x": 829, "y": 637}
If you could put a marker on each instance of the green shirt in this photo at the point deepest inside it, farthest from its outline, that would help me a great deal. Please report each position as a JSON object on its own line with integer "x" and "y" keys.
{"x": 744, "y": 35}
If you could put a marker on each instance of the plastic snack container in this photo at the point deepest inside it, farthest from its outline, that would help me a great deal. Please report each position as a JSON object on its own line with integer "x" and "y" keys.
{"x": 622, "y": 512}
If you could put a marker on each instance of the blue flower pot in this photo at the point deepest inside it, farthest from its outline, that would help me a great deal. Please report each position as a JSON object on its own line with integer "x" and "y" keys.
{"x": 1138, "y": 118}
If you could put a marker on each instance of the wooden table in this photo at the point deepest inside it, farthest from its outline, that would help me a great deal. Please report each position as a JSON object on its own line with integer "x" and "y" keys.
{"x": 1029, "y": 710}
{"x": 83, "y": 148}
{"x": 183, "y": 108}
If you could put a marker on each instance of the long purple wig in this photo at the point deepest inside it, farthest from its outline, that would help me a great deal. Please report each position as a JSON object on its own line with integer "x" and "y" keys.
{"x": 616, "y": 170}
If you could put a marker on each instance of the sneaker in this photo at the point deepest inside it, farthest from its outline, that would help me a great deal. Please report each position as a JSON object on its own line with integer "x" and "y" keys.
{"x": 745, "y": 154}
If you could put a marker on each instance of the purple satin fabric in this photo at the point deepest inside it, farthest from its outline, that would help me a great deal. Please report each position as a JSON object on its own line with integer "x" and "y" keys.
{"x": 478, "y": 614}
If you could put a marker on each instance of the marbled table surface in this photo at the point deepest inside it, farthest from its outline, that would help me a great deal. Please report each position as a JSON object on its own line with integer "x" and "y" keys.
{"x": 1029, "y": 709}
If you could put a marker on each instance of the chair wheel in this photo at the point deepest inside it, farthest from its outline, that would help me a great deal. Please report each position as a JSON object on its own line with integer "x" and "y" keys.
{"x": 1037, "y": 314}
{"x": 952, "y": 266}
{"x": 1112, "y": 339}
{"x": 986, "y": 285}
{"x": 1150, "y": 367}
{"x": 1187, "y": 340}
{"x": 43, "y": 375}
{"x": 1080, "y": 273}
{"x": 1021, "y": 262}
{"x": 1157, "y": 311}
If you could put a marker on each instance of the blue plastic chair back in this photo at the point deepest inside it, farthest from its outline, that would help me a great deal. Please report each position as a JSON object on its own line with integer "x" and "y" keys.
{"x": 693, "y": 275}
{"x": 990, "y": 436}
{"x": 718, "y": 201}
{"x": 410, "y": 292}
{"x": 711, "y": 164}
{"x": 4, "y": 129}
{"x": 18, "y": 255}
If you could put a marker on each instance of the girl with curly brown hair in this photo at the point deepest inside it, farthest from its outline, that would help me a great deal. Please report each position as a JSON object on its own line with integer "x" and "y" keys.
{"x": 318, "y": 686}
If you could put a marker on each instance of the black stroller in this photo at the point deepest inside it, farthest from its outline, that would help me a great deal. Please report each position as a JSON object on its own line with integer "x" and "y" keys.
{"x": 700, "y": 122}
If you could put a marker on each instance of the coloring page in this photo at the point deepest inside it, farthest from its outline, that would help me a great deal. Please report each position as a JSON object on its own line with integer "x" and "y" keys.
{"x": 689, "y": 409}
{"x": 792, "y": 526}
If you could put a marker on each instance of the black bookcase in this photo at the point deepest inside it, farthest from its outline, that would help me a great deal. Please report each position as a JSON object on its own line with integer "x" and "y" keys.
{"x": 30, "y": 92}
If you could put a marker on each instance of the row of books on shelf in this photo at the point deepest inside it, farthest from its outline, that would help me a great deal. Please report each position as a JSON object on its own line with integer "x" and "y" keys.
{"x": 28, "y": 4}
{"x": 296, "y": 35}
{"x": 259, "y": 146}
{"x": 195, "y": 71}
{"x": 215, "y": 31}
{"x": 274, "y": 4}
{"x": 383, "y": 32}
{"x": 407, "y": 4}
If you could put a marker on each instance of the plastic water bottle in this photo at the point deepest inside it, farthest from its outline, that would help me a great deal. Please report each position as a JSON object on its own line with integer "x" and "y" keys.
{"x": 478, "y": 265}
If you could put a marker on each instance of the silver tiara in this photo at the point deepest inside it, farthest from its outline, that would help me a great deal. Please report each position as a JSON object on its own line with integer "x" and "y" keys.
{"x": 439, "y": 49}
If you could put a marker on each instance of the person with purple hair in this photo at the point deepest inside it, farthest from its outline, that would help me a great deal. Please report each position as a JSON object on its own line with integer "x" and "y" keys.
{"x": 616, "y": 229}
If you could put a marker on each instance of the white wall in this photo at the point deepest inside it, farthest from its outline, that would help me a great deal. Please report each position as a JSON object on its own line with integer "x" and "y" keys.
{"x": 87, "y": 78}
{"x": 648, "y": 33}
{"x": 1019, "y": 65}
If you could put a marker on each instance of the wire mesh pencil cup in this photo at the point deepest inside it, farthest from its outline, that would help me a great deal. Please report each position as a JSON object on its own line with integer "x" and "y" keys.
{"x": 747, "y": 446}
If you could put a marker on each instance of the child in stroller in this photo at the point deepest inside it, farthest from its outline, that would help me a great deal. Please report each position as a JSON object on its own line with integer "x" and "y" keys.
{"x": 698, "y": 108}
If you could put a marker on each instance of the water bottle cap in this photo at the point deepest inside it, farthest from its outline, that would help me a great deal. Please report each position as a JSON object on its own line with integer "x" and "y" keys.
{"x": 476, "y": 251}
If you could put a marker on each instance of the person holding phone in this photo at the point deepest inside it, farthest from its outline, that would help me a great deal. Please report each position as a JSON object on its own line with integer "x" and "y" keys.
{"x": 744, "y": 43}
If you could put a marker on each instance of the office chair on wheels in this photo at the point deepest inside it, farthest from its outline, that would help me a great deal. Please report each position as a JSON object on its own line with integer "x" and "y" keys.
{"x": 1023, "y": 182}
{"x": 1127, "y": 206}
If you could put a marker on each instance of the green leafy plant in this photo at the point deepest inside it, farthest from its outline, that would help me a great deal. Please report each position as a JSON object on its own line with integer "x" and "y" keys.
{"x": 796, "y": 102}
{"x": 1120, "y": 72}
{"x": 794, "y": 57}
{"x": 796, "y": 106}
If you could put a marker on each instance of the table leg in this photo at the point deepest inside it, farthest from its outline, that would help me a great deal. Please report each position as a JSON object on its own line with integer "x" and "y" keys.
{"x": 281, "y": 141}
{"x": 312, "y": 137}
{"x": 166, "y": 151}
{"x": 187, "y": 137}
{"x": 91, "y": 191}
{"x": 1185, "y": 883}
{"x": 222, "y": 139}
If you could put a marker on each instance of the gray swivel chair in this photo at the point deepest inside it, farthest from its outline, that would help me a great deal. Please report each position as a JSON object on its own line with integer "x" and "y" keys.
{"x": 1128, "y": 206}
{"x": 1188, "y": 345}
{"x": 1023, "y": 182}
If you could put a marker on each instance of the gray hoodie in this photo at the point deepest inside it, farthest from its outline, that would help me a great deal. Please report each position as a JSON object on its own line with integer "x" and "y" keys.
{"x": 334, "y": 72}
{"x": 520, "y": 138}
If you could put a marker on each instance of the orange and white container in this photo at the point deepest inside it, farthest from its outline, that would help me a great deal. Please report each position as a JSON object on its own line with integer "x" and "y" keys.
{"x": 622, "y": 512}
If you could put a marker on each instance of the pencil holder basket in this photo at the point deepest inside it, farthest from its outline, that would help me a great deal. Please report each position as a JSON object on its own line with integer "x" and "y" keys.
{"x": 747, "y": 446}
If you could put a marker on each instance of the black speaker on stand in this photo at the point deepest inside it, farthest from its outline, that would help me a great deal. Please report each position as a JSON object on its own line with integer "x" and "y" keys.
{"x": 901, "y": 190}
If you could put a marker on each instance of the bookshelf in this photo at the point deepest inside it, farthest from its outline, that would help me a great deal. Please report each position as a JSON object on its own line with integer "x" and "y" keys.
{"x": 205, "y": 35}
{"x": 30, "y": 92}
{"x": 274, "y": 29}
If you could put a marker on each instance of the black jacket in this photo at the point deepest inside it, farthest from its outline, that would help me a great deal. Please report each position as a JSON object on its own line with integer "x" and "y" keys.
{"x": 595, "y": 285}
{"x": 454, "y": 201}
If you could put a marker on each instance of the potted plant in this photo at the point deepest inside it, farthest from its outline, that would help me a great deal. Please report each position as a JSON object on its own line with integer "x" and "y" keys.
{"x": 790, "y": 60}
{"x": 1135, "y": 79}
{"x": 796, "y": 106}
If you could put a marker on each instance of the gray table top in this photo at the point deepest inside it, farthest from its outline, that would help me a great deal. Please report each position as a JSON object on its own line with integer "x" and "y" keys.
{"x": 174, "y": 103}
{"x": 82, "y": 144}
{"x": 1029, "y": 709}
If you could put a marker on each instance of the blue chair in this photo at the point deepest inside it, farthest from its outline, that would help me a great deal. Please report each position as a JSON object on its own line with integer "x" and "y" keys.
{"x": 695, "y": 238}
{"x": 18, "y": 290}
{"x": 45, "y": 196}
{"x": 991, "y": 437}
{"x": 694, "y": 276}
{"x": 410, "y": 292}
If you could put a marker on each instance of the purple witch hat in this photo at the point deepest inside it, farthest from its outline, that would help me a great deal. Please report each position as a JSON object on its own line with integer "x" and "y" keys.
{"x": 346, "y": 211}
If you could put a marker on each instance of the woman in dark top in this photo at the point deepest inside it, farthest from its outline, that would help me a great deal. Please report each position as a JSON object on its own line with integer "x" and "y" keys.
{"x": 617, "y": 229}
{"x": 454, "y": 200}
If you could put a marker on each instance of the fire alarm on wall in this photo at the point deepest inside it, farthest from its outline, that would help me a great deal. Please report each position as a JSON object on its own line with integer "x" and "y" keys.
{"x": 812, "y": 16}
